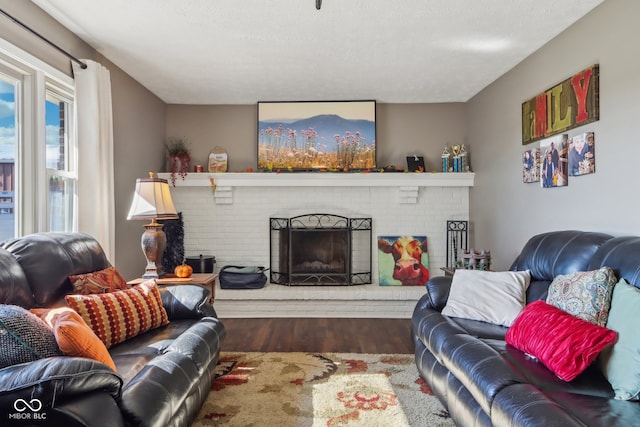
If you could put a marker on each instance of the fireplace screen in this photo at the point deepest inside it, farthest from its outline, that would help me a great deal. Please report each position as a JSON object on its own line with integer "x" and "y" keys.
{"x": 320, "y": 249}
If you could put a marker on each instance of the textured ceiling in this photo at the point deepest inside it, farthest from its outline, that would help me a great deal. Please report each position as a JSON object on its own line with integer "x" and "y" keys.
{"x": 243, "y": 51}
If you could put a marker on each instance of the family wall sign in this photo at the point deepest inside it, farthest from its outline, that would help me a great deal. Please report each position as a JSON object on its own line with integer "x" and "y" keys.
{"x": 569, "y": 104}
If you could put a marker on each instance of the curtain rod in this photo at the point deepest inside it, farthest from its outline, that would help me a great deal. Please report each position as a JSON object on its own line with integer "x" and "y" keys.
{"x": 49, "y": 42}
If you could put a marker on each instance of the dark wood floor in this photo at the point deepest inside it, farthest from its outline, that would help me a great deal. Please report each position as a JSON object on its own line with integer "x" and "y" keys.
{"x": 375, "y": 336}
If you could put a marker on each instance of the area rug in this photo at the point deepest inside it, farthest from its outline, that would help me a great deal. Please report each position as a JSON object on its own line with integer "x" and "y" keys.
{"x": 320, "y": 389}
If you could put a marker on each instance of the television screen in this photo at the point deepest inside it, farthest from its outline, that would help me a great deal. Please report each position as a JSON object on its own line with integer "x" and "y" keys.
{"x": 317, "y": 135}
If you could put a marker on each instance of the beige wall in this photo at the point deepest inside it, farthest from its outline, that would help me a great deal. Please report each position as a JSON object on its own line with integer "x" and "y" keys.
{"x": 138, "y": 136}
{"x": 35, "y": 18}
{"x": 138, "y": 119}
{"x": 422, "y": 129}
{"x": 402, "y": 129}
{"x": 505, "y": 212}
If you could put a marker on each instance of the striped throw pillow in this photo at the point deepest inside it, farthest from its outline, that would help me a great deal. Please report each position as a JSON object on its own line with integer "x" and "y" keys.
{"x": 118, "y": 316}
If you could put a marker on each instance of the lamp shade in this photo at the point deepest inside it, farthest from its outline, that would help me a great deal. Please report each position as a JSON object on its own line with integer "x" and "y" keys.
{"x": 152, "y": 200}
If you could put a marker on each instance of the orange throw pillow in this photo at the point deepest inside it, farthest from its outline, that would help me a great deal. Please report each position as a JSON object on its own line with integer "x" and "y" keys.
{"x": 98, "y": 282}
{"x": 118, "y": 316}
{"x": 74, "y": 336}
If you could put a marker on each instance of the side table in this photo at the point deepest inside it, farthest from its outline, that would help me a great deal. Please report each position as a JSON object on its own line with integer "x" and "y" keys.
{"x": 202, "y": 279}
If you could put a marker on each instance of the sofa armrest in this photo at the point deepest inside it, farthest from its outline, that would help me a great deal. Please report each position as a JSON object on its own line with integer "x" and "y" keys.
{"x": 81, "y": 412}
{"x": 54, "y": 380}
{"x": 437, "y": 293}
{"x": 186, "y": 301}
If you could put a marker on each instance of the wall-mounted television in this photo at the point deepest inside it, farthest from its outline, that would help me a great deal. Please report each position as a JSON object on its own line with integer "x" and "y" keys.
{"x": 317, "y": 135}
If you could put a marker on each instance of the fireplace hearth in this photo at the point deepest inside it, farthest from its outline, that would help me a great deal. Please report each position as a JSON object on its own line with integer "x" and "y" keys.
{"x": 320, "y": 249}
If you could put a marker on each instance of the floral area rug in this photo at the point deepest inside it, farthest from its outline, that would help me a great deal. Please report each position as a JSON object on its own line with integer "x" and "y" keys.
{"x": 313, "y": 389}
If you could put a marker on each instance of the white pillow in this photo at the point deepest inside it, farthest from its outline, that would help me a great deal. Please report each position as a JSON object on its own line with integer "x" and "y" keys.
{"x": 489, "y": 296}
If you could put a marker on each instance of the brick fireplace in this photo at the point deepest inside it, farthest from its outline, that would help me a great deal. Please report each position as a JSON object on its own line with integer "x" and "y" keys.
{"x": 230, "y": 221}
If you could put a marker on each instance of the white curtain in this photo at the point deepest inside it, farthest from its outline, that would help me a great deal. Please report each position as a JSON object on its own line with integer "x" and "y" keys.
{"x": 94, "y": 121}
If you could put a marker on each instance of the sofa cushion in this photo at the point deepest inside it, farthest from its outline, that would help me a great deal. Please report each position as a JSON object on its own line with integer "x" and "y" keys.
{"x": 549, "y": 254}
{"x": 615, "y": 253}
{"x": 15, "y": 289}
{"x": 48, "y": 259}
{"x": 591, "y": 381}
{"x": 527, "y": 405}
{"x": 73, "y": 335}
{"x": 120, "y": 315}
{"x": 24, "y": 337}
{"x": 482, "y": 370}
{"x": 165, "y": 383}
{"x": 493, "y": 297}
{"x": 621, "y": 363}
{"x": 98, "y": 282}
{"x": 585, "y": 294}
{"x": 590, "y": 410}
{"x": 563, "y": 343}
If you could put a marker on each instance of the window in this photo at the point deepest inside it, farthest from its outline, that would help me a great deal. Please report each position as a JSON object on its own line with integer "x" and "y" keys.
{"x": 8, "y": 143}
{"x": 37, "y": 146}
{"x": 59, "y": 161}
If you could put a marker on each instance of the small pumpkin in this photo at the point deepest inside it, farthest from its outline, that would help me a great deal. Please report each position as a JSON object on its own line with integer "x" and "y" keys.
{"x": 183, "y": 271}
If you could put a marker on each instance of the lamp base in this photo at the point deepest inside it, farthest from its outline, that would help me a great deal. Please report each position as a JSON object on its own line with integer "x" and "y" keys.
{"x": 153, "y": 243}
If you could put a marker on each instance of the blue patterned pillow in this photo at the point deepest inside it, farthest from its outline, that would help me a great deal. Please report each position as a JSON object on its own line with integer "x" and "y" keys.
{"x": 24, "y": 337}
{"x": 585, "y": 294}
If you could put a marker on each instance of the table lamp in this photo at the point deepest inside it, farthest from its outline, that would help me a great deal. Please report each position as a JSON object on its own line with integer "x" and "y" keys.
{"x": 152, "y": 200}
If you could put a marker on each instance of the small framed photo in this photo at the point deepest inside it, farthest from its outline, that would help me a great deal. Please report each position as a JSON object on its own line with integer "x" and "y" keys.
{"x": 415, "y": 164}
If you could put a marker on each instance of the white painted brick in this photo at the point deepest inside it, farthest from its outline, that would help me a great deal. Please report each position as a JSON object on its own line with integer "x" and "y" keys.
{"x": 239, "y": 233}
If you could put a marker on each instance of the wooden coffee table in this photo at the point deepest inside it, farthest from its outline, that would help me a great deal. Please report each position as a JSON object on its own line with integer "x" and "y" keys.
{"x": 208, "y": 280}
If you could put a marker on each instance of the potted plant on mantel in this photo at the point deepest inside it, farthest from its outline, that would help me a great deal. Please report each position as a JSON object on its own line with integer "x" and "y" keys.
{"x": 178, "y": 158}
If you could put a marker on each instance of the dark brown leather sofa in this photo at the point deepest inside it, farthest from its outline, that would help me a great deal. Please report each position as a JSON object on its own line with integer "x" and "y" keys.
{"x": 163, "y": 376}
{"x": 482, "y": 381}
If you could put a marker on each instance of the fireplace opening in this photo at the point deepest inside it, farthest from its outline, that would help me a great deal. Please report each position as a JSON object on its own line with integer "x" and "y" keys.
{"x": 320, "y": 249}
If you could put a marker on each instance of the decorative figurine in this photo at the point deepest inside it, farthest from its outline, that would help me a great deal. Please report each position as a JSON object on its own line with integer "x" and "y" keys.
{"x": 474, "y": 260}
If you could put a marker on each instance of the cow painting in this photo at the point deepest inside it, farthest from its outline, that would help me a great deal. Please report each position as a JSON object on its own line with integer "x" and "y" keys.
{"x": 403, "y": 260}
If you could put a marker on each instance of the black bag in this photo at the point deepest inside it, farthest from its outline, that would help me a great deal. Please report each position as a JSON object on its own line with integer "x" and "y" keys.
{"x": 238, "y": 277}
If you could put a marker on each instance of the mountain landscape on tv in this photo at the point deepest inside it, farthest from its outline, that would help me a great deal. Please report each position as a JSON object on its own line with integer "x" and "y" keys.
{"x": 322, "y": 141}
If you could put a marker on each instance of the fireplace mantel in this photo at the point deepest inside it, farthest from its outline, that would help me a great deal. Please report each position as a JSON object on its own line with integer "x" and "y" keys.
{"x": 325, "y": 179}
{"x": 408, "y": 184}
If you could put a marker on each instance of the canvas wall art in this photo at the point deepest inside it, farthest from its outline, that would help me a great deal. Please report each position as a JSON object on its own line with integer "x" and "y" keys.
{"x": 317, "y": 135}
{"x": 403, "y": 260}
{"x": 531, "y": 165}
{"x": 553, "y": 168}
{"x": 582, "y": 157}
